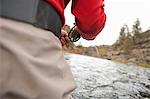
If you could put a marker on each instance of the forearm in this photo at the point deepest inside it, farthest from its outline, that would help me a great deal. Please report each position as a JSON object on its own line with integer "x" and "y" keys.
{"x": 90, "y": 17}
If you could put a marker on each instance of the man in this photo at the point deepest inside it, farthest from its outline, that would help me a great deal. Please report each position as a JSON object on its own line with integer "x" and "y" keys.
{"x": 32, "y": 65}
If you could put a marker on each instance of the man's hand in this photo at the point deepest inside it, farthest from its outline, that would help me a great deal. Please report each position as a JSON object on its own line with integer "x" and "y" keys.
{"x": 64, "y": 37}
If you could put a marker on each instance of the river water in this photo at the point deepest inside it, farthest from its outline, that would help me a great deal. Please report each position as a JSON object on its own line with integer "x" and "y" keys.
{"x": 103, "y": 79}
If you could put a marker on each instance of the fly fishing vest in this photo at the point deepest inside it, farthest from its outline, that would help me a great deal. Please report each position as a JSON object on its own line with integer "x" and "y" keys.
{"x": 36, "y": 12}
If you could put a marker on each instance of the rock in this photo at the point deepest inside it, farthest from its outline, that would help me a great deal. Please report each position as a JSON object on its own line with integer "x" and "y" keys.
{"x": 132, "y": 60}
{"x": 108, "y": 58}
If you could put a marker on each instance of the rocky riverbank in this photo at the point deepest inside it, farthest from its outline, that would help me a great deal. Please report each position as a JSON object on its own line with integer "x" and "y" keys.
{"x": 138, "y": 53}
{"x": 132, "y": 47}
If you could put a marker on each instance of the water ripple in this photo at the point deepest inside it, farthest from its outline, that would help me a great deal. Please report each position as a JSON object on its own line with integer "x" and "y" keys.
{"x": 104, "y": 79}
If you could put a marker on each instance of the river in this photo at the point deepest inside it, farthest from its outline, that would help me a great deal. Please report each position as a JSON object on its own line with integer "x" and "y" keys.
{"x": 103, "y": 79}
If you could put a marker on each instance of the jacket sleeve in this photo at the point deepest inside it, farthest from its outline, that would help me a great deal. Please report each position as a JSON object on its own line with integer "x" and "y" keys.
{"x": 89, "y": 16}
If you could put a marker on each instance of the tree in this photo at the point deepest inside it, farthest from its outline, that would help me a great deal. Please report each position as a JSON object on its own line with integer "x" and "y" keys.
{"x": 125, "y": 40}
{"x": 136, "y": 30}
{"x": 120, "y": 41}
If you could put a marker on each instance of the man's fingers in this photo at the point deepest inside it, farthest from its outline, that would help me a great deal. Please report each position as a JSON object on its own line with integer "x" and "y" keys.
{"x": 64, "y": 37}
{"x": 64, "y": 33}
{"x": 63, "y": 41}
{"x": 67, "y": 39}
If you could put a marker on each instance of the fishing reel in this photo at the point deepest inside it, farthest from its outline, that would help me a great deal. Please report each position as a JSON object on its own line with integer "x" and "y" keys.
{"x": 74, "y": 34}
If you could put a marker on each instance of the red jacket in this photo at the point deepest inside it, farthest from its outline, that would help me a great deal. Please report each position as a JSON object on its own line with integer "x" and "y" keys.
{"x": 89, "y": 15}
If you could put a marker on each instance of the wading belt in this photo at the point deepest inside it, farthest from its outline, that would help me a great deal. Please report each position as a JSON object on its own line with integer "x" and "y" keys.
{"x": 36, "y": 12}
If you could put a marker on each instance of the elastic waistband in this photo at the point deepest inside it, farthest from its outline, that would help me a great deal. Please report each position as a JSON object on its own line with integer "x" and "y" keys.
{"x": 37, "y": 12}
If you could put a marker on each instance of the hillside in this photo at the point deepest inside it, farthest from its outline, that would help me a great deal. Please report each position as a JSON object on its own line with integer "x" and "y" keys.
{"x": 131, "y": 47}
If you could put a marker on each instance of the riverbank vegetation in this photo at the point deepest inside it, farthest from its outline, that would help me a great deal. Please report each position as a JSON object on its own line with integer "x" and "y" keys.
{"x": 132, "y": 46}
